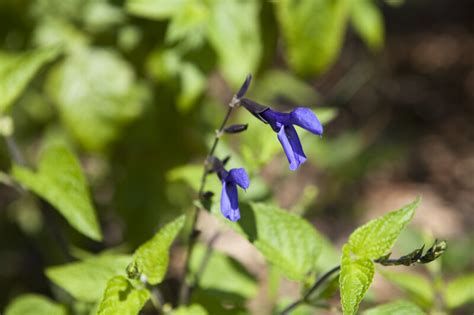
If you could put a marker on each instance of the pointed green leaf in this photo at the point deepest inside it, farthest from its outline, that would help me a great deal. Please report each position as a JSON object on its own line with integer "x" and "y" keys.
{"x": 86, "y": 280}
{"x": 354, "y": 281}
{"x": 460, "y": 291}
{"x": 234, "y": 33}
{"x": 418, "y": 287}
{"x": 285, "y": 240}
{"x": 194, "y": 309}
{"x": 152, "y": 257}
{"x": 376, "y": 237}
{"x": 400, "y": 307}
{"x": 367, "y": 21}
{"x": 121, "y": 297}
{"x": 17, "y": 70}
{"x": 61, "y": 182}
{"x": 313, "y": 31}
{"x": 238, "y": 280}
{"x": 34, "y": 304}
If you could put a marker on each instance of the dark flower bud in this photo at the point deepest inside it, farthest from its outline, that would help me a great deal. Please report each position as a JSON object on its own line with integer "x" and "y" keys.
{"x": 434, "y": 252}
{"x": 207, "y": 195}
{"x": 254, "y": 108}
{"x": 236, "y": 128}
{"x": 245, "y": 86}
{"x": 225, "y": 160}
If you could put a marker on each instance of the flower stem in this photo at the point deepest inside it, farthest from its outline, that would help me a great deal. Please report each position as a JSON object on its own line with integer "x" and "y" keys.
{"x": 308, "y": 293}
{"x": 185, "y": 289}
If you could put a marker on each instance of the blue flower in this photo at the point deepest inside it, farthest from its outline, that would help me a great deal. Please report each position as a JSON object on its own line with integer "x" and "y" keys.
{"x": 229, "y": 196}
{"x": 282, "y": 123}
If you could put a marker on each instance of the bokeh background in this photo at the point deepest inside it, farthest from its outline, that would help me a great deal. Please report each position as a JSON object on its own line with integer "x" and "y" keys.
{"x": 138, "y": 92}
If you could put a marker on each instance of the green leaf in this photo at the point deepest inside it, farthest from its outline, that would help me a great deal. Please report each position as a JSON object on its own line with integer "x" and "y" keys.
{"x": 61, "y": 182}
{"x": 234, "y": 33}
{"x": 154, "y": 9}
{"x": 400, "y": 307}
{"x": 97, "y": 94}
{"x": 367, "y": 21}
{"x": 285, "y": 240}
{"x": 194, "y": 309}
{"x": 354, "y": 280}
{"x": 188, "y": 25}
{"x": 238, "y": 280}
{"x": 460, "y": 291}
{"x": 17, "y": 71}
{"x": 86, "y": 280}
{"x": 121, "y": 297}
{"x": 313, "y": 31}
{"x": 193, "y": 83}
{"x": 152, "y": 257}
{"x": 376, "y": 237}
{"x": 418, "y": 287}
{"x": 34, "y": 304}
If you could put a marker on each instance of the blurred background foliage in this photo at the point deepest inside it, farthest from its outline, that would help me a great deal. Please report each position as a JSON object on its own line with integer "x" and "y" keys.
{"x": 136, "y": 88}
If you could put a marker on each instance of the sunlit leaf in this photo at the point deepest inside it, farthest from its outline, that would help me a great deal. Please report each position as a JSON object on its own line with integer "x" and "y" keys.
{"x": 16, "y": 71}
{"x": 367, "y": 20}
{"x": 313, "y": 31}
{"x": 285, "y": 240}
{"x": 154, "y": 9}
{"x": 400, "y": 307}
{"x": 354, "y": 280}
{"x": 34, "y": 304}
{"x": 234, "y": 33}
{"x": 193, "y": 83}
{"x": 121, "y": 297}
{"x": 460, "y": 291}
{"x": 60, "y": 180}
{"x": 376, "y": 237}
{"x": 152, "y": 257}
{"x": 87, "y": 279}
{"x": 96, "y": 93}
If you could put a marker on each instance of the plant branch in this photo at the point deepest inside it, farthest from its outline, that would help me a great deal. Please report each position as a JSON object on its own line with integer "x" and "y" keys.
{"x": 310, "y": 291}
{"x": 185, "y": 288}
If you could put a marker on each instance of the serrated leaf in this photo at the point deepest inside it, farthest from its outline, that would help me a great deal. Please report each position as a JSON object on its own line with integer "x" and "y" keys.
{"x": 312, "y": 41}
{"x": 121, "y": 297}
{"x": 152, "y": 257}
{"x": 154, "y": 9}
{"x": 395, "y": 308}
{"x": 354, "y": 280}
{"x": 61, "y": 182}
{"x": 97, "y": 94}
{"x": 367, "y": 21}
{"x": 17, "y": 71}
{"x": 233, "y": 31}
{"x": 417, "y": 286}
{"x": 285, "y": 240}
{"x": 238, "y": 280}
{"x": 460, "y": 291}
{"x": 34, "y": 304}
{"x": 194, "y": 309}
{"x": 86, "y": 280}
{"x": 376, "y": 237}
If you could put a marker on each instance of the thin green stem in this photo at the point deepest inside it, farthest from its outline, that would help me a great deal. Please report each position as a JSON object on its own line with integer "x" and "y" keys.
{"x": 185, "y": 289}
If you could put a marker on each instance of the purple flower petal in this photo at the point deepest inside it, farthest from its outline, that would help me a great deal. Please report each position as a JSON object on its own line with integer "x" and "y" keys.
{"x": 292, "y": 146}
{"x": 298, "y": 153}
{"x": 275, "y": 119}
{"x": 229, "y": 201}
{"x": 239, "y": 176}
{"x": 305, "y": 118}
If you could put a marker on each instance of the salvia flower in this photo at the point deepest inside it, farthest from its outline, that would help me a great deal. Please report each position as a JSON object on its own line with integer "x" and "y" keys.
{"x": 229, "y": 197}
{"x": 283, "y": 125}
